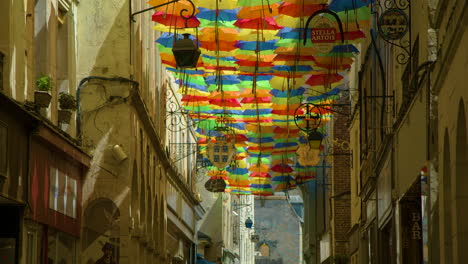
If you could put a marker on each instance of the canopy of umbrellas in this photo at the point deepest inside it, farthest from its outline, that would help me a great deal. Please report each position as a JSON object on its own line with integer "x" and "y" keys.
{"x": 254, "y": 73}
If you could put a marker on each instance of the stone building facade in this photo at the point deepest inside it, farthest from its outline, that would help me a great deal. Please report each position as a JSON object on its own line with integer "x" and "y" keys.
{"x": 106, "y": 177}
{"x": 408, "y": 133}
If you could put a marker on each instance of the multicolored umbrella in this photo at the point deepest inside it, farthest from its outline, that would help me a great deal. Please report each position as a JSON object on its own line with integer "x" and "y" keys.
{"x": 253, "y": 74}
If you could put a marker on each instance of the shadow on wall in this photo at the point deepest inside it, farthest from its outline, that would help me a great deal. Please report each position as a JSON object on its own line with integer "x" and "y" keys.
{"x": 103, "y": 50}
{"x": 101, "y": 225}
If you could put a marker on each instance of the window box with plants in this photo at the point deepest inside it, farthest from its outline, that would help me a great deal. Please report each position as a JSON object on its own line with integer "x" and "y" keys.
{"x": 67, "y": 104}
{"x": 42, "y": 96}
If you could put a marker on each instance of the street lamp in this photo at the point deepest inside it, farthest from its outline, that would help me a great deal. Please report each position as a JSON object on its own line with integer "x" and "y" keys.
{"x": 308, "y": 118}
{"x": 315, "y": 139}
{"x": 248, "y": 223}
{"x": 186, "y": 52}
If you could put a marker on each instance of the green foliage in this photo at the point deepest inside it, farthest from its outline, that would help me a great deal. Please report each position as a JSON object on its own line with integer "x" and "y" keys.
{"x": 67, "y": 101}
{"x": 44, "y": 83}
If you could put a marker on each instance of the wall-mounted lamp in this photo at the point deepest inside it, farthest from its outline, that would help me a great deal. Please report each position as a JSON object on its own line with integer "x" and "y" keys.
{"x": 119, "y": 153}
{"x": 186, "y": 52}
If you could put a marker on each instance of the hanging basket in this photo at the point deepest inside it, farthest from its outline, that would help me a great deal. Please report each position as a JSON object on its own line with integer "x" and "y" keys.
{"x": 42, "y": 98}
{"x": 64, "y": 116}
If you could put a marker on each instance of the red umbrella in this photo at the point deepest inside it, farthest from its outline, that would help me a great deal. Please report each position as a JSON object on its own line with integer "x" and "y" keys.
{"x": 321, "y": 79}
{"x": 225, "y": 102}
{"x": 175, "y": 21}
{"x": 258, "y": 23}
{"x": 283, "y": 168}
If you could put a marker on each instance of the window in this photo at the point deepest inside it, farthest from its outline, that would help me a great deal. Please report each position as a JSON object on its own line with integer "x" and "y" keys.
{"x": 61, "y": 248}
{"x": 216, "y": 149}
{"x": 63, "y": 45}
{"x": 40, "y": 37}
{"x": 3, "y": 149}
{"x": 62, "y": 193}
{"x": 216, "y": 158}
{"x": 225, "y": 149}
{"x": 225, "y": 158}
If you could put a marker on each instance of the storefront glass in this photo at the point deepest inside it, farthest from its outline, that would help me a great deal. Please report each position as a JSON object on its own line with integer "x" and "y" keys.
{"x": 62, "y": 248}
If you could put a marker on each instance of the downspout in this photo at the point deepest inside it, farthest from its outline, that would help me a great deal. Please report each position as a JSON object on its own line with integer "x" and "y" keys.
{"x": 78, "y": 93}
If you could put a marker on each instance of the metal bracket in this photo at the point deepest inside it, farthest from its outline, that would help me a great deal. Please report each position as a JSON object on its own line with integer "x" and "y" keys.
{"x": 132, "y": 16}
{"x": 403, "y": 6}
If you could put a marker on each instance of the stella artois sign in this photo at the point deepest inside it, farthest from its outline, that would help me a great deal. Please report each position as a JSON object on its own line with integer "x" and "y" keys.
{"x": 323, "y": 35}
{"x": 221, "y": 152}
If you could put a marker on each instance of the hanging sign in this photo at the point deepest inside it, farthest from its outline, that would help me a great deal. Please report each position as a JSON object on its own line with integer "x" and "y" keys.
{"x": 323, "y": 35}
{"x": 215, "y": 184}
{"x": 393, "y": 24}
{"x": 307, "y": 156}
{"x": 221, "y": 152}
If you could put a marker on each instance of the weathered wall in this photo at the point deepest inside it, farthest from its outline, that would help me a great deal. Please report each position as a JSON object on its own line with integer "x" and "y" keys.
{"x": 453, "y": 186}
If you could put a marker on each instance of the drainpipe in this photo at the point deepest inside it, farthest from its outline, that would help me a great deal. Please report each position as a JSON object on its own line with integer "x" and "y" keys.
{"x": 78, "y": 93}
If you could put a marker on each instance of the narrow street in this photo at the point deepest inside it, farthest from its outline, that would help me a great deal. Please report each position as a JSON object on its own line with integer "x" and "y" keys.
{"x": 233, "y": 132}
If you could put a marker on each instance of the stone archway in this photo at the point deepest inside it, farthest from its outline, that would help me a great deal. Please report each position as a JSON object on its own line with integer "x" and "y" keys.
{"x": 100, "y": 226}
{"x": 460, "y": 236}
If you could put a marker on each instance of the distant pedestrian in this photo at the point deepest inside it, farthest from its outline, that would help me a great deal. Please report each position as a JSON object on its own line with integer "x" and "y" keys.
{"x": 107, "y": 258}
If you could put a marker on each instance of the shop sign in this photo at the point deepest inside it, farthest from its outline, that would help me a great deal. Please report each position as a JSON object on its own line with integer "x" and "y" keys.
{"x": 393, "y": 24}
{"x": 215, "y": 185}
{"x": 221, "y": 152}
{"x": 323, "y": 35}
{"x": 255, "y": 238}
{"x": 307, "y": 156}
{"x": 412, "y": 233}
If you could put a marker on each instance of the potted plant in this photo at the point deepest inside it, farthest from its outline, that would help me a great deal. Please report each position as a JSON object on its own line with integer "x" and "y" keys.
{"x": 42, "y": 96}
{"x": 67, "y": 104}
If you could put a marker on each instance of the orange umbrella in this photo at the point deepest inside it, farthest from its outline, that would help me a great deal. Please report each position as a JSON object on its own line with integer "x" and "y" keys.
{"x": 294, "y": 10}
{"x": 258, "y": 11}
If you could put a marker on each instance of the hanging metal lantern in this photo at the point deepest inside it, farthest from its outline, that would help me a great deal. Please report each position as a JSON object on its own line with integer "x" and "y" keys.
{"x": 315, "y": 139}
{"x": 186, "y": 52}
{"x": 248, "y": 223}
{"x": 215, "y": 185}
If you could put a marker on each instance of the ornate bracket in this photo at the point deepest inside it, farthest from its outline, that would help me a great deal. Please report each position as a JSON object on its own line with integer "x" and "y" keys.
{"x": 132, "y": 16}
{"x": 177, "y": 118}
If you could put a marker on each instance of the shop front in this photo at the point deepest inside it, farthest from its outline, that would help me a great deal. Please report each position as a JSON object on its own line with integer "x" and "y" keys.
{"x": 181, "y": 234}
{"x": 57, "y": 169}
{"x": 15, "y": 126}
{"x": 411, "y": 219}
